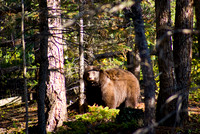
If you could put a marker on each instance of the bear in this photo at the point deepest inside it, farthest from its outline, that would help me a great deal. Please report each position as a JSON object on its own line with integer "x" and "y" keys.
{"x": 114, "y": 87}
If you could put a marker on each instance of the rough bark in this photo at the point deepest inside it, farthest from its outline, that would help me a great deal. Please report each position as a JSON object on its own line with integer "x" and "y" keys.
{"x": 165, "y": 62}
{"x": 182, "y": 57}
{"x": 147, "y": 69}
{"x": 56, "y": 93}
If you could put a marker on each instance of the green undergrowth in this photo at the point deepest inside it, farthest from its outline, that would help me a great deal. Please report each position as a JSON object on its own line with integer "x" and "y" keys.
{"x": 98, "y": 114}
{"x": 100, "y": 120}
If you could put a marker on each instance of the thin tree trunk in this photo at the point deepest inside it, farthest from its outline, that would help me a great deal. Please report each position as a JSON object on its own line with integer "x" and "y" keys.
{"x": 165, "y": 62}
{"x": 81, "y": 64}
{"x": 182, "y": 56}
{"x": 147, "y": 69}
{"x": 24, "y": 69}
{"x": 56, "y": 93}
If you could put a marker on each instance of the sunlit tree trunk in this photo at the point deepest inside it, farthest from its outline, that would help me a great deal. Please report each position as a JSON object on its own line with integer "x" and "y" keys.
{"x": 81, "y": 63}
{"x": 51, "y": 76}
{"x": 56, "y": 93}
{"x": 165, "y": 62}
{"x": 182, "y": 56}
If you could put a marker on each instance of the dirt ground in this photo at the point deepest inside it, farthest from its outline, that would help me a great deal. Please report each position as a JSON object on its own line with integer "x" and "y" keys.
{"x": 12, "y": 119}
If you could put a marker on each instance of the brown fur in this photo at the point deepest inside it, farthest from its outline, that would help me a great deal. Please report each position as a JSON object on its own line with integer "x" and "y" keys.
{"x": 116, "y": 86}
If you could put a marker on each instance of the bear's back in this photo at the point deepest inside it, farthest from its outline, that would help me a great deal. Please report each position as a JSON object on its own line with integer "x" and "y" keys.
{"x": 119, "y": 74}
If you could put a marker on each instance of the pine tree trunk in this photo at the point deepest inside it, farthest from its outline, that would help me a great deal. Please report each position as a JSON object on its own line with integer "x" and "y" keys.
{"x": 166, "y": 65}
{"x": 182, "y": 56}
{"x": 56, "y": 93}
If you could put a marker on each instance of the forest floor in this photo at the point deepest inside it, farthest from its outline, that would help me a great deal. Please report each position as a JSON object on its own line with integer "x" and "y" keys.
{"x": 12, "y": 119}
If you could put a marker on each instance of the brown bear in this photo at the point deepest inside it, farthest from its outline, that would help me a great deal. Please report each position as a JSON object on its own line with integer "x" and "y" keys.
{"x": 112, "y": 87}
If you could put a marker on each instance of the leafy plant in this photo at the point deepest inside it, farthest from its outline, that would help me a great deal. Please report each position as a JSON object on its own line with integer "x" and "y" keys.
{"x": 98, "y": 114}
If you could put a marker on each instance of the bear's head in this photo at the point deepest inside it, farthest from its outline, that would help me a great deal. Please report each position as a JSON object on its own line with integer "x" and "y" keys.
{"x": 92, "y": 74}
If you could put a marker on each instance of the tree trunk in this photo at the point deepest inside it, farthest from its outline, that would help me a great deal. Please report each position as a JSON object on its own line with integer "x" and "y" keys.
{"x": 24, "y": 68}
{"x": 81, "y": 64}
{"x": 165, "y": 62}
{"x": 56, "y": 93}
{"x": 43, "y": 28}
{"x": 147, "y": 69}
{"x": 182, "y": 56}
